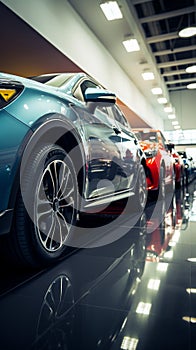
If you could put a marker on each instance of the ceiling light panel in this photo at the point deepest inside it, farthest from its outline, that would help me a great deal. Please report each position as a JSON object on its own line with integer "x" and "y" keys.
{"x": 168, "y": 109}
{"x": 131, "y": 45}
{"x": 191, "y": 86}
{"x": 148, "y": 75}
{"x": 187, "y": 32}
{"x": 156, "y": 91}
{"x": 111, "y": 10}
{"x": 171, "y": 116}
{"x": 191, "y": 69}
{"x": 162, "y": 100}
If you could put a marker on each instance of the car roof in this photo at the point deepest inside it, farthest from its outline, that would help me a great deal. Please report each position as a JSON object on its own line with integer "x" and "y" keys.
{"x": 146, "y": 129}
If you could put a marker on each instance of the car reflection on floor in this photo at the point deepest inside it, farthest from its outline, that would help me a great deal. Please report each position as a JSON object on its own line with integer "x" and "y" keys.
{"x": 163, "y": 228}
{"x": 49, "y": 300}
{"x": 119, "y": 295}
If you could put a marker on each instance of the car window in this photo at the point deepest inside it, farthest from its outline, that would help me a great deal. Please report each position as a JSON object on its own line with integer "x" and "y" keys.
{"x": 118, "y": 115}
{"x": 56, "y": 80}
{"x": 102, "y": 113}
{"x": 163, "y": 141}
{"x": 147, "y": 136}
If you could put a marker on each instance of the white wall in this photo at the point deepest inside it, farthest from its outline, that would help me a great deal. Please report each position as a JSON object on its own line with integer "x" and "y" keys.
{"x": 184, "y": 102}
{"x": 56, "y": 21}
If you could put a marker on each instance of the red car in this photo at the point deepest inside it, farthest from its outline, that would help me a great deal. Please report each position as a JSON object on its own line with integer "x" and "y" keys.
{"x": 179, "y": 166}
{"x": 160, "y": 163}
{"x": 179, "y": 169}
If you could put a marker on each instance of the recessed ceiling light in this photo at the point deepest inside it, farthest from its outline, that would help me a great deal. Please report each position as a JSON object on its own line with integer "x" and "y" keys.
{"x": 191, "y": 69}
{"x": 111, "y": 10}
{"x": 176, "y": 126}
{"x": 162, "y": 100}
{"x": 191, "y": 86}
{"x": 187, "y": 32}
{"x": 192, "y": 260}
{"x": 131, "y": 45}
{"x": 148, "y": 75}
{"x": 191, "y": 290}
{"x": 156, "y": 91}
{"x": 175, "y": 122}
{"x": 171, "y": 116}
{"x": 168, "y": 109}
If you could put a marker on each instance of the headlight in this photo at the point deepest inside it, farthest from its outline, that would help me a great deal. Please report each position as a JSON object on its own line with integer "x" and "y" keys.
{"x": 150, "y": 153}
{"x": 9, "y": 90}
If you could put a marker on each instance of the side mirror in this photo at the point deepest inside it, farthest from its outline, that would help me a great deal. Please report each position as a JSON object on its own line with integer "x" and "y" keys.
{"x": 170, "y": 146}
{"x": 99, "y": 95}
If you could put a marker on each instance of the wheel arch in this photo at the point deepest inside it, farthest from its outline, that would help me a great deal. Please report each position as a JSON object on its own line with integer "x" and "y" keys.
{"x": 162, "y": 165}
{"x": 52, "y": 130}
{"x": 143, "y": 162}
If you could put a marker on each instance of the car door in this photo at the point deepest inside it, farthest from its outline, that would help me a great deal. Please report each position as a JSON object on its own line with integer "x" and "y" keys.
{"x": 130, "y": 152}
{"x": 169, "y": 169}
{"x": 102, "y": 147}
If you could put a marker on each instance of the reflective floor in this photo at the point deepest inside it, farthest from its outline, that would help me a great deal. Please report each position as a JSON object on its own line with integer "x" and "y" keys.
{"x": 132, "y": 285}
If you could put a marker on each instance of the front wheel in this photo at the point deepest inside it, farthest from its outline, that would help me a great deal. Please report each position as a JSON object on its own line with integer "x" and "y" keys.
{"x": 46, "y": 207}
{"x": 141, "y": 189}
{"x": 161, "y": 190}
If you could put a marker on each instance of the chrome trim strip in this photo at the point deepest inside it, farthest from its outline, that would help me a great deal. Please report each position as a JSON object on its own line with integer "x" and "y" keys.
{"x": 4, "y": 212}
{"x": 95, "y": 202}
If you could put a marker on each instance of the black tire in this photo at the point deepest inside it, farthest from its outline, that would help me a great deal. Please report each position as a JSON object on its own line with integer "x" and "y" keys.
{"x": 141, "y": 190}
{"x": 182, "y": 178}
{"x": 170, "y": 188}
{"x": 181, "y": 182}
{"x": 159, "y": 194}
{"x": 46, "y": 207}
{"x": 161, "y": 190}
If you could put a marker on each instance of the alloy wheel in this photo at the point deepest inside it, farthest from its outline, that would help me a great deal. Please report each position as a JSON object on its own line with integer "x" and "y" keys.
{"x": 142, "y": 188}
{"x": 54, "y": 205}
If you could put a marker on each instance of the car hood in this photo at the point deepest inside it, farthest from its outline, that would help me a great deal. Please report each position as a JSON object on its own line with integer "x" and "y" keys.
{"x": 148, "y": 145}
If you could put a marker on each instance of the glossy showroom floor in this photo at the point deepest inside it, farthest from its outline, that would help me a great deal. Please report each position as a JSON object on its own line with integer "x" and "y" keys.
{"x": 132, "y": 287}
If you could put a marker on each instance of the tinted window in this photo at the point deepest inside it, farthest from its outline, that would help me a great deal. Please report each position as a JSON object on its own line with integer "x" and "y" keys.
{"x": 147, "y": 136}
{"x": 163, "y": 140}
{"x": 118, "y": 116}
{"x": 53, "y": 80}
{"x": 101, "y": 112}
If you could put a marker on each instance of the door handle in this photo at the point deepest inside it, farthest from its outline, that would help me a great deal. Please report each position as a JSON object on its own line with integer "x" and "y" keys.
{"x": 116, "y": 130}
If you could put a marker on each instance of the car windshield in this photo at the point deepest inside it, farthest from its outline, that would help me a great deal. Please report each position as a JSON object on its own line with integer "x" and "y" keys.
{"x": 147, "y": 136}
{"x": 56, "y": 80}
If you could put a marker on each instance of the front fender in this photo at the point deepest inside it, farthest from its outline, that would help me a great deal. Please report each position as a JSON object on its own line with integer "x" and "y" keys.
{"x": 55, "y": 129}
{"x": 13, "y": 135}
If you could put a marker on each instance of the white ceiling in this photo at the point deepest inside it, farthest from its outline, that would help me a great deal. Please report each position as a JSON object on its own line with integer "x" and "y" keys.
{"x": 155, "y": 24}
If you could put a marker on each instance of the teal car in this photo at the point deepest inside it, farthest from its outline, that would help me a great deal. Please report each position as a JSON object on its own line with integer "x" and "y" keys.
{"x": 65, "y": 149}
